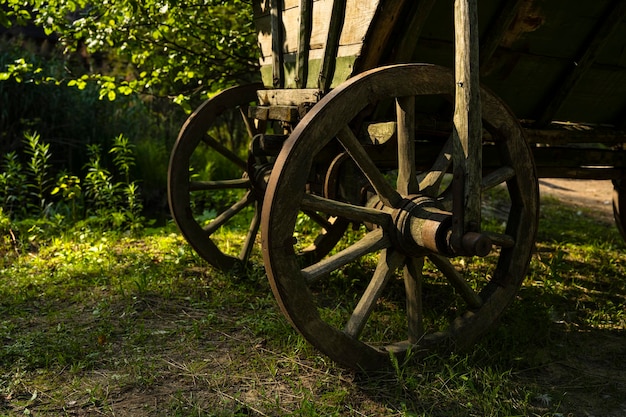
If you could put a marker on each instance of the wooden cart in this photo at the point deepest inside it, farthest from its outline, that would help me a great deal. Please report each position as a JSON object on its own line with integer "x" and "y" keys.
{"x": 351, "y": 156}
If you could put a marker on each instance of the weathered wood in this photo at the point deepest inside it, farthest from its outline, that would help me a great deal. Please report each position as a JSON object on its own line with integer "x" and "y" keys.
{"x": 388, "y": 262}
{"x": 357, "y": 20}
{"x": 497, "y": 177}
{"x": 290, "y": 114}
{"x": 304, "y": 43}
{"x": 560, "y": 156}
{"x": 345, "y": 210}
{"x": 276, "y": 24}
{"x": 379, "y": 133}
{"x": 413, "y": 279}
{"x": 371, "y": 242}
{"x": 602, "y": 32}
{"x": 501, "y": 23}
{"x": 405, "y": 114}
{"x": 327, "y": 70}
{"x": 239, "y": 183}
{"x": 472, "y": 299}
{"x": 575, "y": 134}
{"x": 377, "y": 42}
{"x": 467, "y": 132}
{"x": 596, "y": 173}
{"x": 387, "y": 194}
{"x": 419, "y": 14}
{"x": 288, "y": 97}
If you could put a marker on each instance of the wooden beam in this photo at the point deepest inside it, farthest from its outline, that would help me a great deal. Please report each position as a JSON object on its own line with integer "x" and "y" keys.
{"x": 603, "y": 30}
{"x": 327, "y": 69}
{"x": 419, "y": 14}
{"x": 302, "y": 59}
{"x": 467, "y": 132}
{"x": 566, "y": 137}
{"x": 501, "y": 23}
{"x": 378, "y": 39}
{"x": 276, "y": 25}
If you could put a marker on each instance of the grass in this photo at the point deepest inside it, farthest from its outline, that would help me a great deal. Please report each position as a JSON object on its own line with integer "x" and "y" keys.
{"x": 104, "y": 324}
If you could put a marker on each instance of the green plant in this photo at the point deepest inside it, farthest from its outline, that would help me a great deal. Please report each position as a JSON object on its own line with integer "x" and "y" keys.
{"x": 100, "y": 190}
{"x": 123, "y": 158}
{"x": 38, "y": 168}
{"x": 69, "y": 187}
{"x": 13, "y": 188}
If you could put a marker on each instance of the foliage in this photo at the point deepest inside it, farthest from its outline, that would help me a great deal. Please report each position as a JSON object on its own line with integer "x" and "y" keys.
{"x": 160, "y": 47}
{"x": 35, "y": 202}
{"x": 38, "y": 168}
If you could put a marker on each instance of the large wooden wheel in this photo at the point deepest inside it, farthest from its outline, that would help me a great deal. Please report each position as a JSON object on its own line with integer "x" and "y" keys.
{"x": 397, "y": 285}
{"x": 208, "y": 183}
{"x": 217, "y": 176}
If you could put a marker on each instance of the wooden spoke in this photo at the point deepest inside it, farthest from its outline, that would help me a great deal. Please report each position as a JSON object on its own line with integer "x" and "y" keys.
{"x": 405, "y": 114}
{"x": 499, "y": 239}
{"x": 430, "y": 183}
{"x": 472, "y": 299}
{"x": 388, "y": 262}
{"x": 250, "y": 128}
{"x": 248, "y": 244}
{"x": 414, "y": 303}
{"x": 228, "y": 214}
{"x": 319, "y": 219}
{"x": 386, "y": 193}
{"x": 348, "y": 211}
{"x": 371, "y": 242}
{"x": 224, "y": 151}
{"x": 241, "y": 183}
{"x": 497, "y": 177}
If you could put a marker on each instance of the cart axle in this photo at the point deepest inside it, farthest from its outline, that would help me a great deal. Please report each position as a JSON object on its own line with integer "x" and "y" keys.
{"x": 420, "y": 224}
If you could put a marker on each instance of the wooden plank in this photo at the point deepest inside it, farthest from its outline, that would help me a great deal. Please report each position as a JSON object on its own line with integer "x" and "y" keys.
{"x": 276, "y": 23}
{"x": 467, "y": 133}
{"x": 575, "y": 135}
{"x": 603, "y": 30}
{"x": 288, "y": 97}
{"x": 331, "y": 47}
{"x": 553, "y": 156}
{"x": 419, "y": 14}
{"x": 304, "y": 42}
{"x": 496, "y": 33}
{"x": 581, "y": 173}
{"x": 377, "y": 37}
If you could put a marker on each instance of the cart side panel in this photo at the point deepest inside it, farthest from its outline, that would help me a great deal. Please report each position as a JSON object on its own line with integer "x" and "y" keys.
{"x": 358, "y": 17}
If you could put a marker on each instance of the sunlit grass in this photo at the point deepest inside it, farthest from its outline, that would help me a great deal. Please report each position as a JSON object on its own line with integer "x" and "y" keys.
{"x": 106, "y": 323}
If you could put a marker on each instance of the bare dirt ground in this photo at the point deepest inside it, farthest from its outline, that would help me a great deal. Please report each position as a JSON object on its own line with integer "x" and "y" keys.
{"x": 596, "y": 196}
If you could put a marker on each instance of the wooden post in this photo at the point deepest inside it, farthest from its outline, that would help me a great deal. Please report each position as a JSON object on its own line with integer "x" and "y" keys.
{"x": 302, "y": 59}
{"x": 276, "y": 26}
{"x": 327, "y": 70}
{"x": 467, "y": 154}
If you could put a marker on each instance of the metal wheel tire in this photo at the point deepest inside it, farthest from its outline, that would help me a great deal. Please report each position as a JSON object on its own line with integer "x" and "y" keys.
{"x": 387, "y": 292}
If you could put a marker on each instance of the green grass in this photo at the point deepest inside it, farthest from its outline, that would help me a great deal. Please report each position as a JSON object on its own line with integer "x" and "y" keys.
{"x": 105, "y": 324}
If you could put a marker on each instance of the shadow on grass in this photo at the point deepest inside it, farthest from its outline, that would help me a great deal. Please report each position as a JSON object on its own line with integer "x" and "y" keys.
{"x": 182, "y": 339}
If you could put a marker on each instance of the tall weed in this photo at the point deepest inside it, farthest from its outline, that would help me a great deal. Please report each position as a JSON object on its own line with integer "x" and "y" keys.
{"x": 38, "y": 169}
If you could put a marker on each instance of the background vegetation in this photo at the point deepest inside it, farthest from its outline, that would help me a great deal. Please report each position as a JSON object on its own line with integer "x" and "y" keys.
{"x": 79, "y": 75}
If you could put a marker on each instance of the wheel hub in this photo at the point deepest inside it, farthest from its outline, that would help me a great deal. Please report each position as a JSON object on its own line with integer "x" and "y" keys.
{"x": 420, "y": 226}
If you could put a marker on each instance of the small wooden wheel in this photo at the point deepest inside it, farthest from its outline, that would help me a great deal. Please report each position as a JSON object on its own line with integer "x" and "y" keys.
{"x": 395, "y": 285}
{"x": 217, "y": 179}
